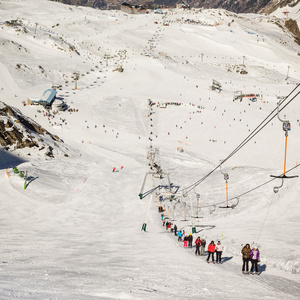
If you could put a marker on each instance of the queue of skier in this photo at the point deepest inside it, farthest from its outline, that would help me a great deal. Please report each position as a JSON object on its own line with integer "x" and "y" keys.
{"x": 248, "y": 254}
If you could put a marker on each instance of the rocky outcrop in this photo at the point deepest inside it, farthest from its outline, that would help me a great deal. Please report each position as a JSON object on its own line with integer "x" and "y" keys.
{"x": 90, "y": 3}
{"x": 237, "y": 6}
{"x": 292, "y": 26}
{"x": 18, "y": 131}
{"x": 275, "y": 4}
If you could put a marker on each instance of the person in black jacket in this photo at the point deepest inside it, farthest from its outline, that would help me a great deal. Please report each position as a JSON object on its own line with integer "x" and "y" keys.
{"x": 202, "y": 250}
{"x": 190, "y": 240}
{"x": 167, "y": 224}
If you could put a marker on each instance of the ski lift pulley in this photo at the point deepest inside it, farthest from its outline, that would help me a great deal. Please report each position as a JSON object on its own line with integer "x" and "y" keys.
{"x": 286, "y": 126}
{"x": 226, "y": 177}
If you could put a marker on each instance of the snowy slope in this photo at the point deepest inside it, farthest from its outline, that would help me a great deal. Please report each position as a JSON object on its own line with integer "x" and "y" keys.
{"x": 75, "y": 232}
{"x": 293, "y": 12}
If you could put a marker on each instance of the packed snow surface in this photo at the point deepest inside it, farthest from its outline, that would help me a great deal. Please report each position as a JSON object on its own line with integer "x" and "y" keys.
{"x": 75, "y": 231}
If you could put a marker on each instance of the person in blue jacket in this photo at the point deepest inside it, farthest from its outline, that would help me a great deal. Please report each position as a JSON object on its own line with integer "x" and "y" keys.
{"x": 179, "y": 234}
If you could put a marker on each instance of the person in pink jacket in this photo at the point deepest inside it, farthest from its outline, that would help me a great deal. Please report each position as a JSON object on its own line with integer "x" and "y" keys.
{"x": 211, "y": 251}
{"x": 219, "y": 250}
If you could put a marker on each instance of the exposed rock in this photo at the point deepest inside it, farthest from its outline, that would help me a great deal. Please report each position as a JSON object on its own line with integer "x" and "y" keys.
{"x": 237, "y": 6}
{"x": 241, "y": 69}
{"x": 275, "y": 4}
{"x": 292, "y": 26}
{"x": 18, "y": 131}
{"x": 90, "y": 3}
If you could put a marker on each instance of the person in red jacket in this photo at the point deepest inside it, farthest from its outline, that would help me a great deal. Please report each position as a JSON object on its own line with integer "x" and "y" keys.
{"x": 198, "y": 244}
{"x": 211, "y": 251}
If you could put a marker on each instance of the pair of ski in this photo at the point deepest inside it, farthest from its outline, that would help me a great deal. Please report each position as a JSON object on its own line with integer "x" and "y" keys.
{"x": 251, "y": 273}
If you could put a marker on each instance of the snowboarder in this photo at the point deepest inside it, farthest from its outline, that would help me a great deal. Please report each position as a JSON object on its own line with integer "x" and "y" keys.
{"x": 211, "y": 251}
{"x": 254, "y": 255}
{"x": 246, "y": 257}
{"x": 219, "y": 250}
{"x": 202, "y": 249}
{"x": 198, "y": 244}
{"x": 190, "y": 239}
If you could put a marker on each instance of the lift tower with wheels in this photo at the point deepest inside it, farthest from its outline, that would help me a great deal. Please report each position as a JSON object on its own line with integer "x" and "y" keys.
{"x": 286, "y": 126}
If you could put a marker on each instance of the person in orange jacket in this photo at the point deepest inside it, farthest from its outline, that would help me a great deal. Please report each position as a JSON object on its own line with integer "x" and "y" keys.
{"x": 211, "y": 251}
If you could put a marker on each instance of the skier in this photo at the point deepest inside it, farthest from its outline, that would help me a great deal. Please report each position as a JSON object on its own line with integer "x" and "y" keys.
{"x": 167, "y": 224}
{"x": 211, "y": 251}
{"x": 190, "y": 239}
{"x": 169, "y": 227}
{"x": 185, "y": 241}
{"x": 254, "y": 255}
{"x": 246, "y": 257}
{"x": 202, "y": 249}
{"x": 219, "y": 250}
{"x": 175, "y": 229}
{"x": 179, "y": 234}
{"x": 198, "y": 244}
{"x": 172, "y": 227}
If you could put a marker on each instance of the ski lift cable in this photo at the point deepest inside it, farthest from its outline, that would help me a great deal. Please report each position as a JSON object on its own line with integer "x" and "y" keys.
{"x": 246, "y": 140}
{"x": 249, "y": 138}
{"x": 252, "y": 134}
{"x": 247, "y": 192}
{"x": 263, "y": 224}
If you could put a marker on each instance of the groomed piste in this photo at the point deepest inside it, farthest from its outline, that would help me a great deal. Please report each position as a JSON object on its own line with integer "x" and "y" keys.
{"x": 199, "y": 128}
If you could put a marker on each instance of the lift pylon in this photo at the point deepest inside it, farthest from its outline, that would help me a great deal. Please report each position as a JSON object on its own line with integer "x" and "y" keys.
{"x": 286, "y": 126}
{"x": 226, "y": 177}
